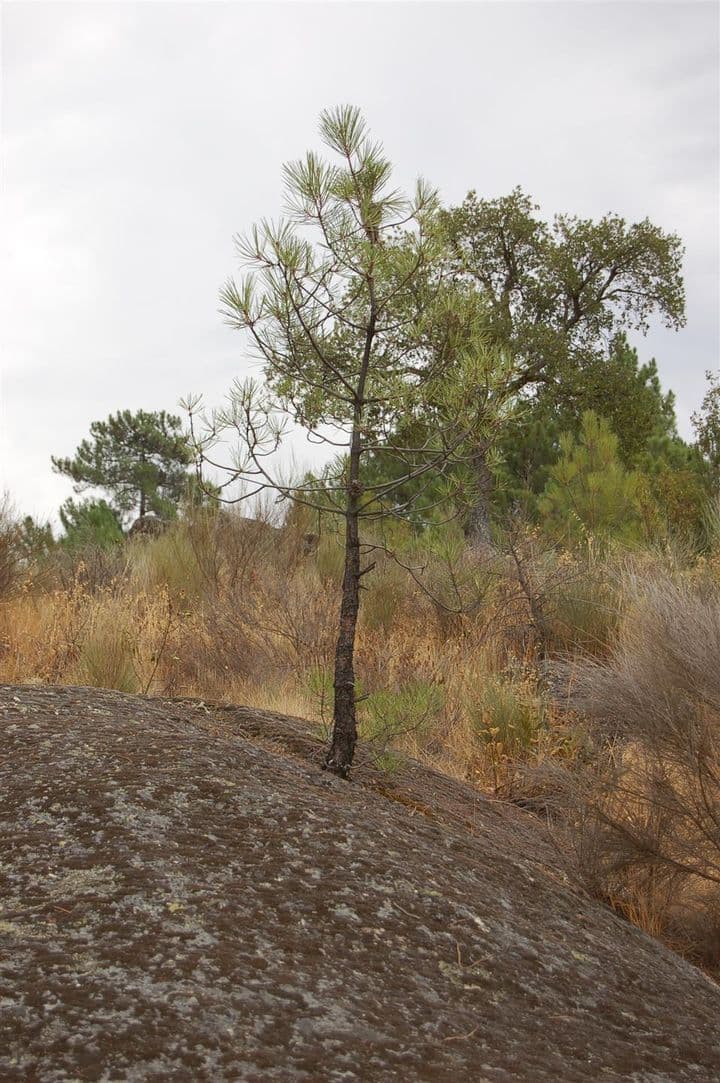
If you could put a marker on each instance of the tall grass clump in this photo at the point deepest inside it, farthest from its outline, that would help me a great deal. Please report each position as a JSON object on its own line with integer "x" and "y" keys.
{"x": 510, "y": 711}
{"x": 166, "y": 562}
{"x": 650, "y": 801}
{"x": 106, "y": 656}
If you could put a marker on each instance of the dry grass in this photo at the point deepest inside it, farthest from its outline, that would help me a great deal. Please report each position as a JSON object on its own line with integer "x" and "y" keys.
{"x": 453, "y": 658}
{"x": 650, "y": 798}
{"x": 227, "y": 608}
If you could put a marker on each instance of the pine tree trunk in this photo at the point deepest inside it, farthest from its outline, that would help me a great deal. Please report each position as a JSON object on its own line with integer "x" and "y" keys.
{"x": 342, "y": 748}
{"x": 340, "y": 755}
{"x": 477, "y": 529}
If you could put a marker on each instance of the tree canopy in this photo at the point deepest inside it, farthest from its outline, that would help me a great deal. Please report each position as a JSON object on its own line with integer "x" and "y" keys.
{"x": 139, "y": 459}
{"x": 557, "y": 292}
{"x": 617, "y": 387}
{"x": 560, "y": 298}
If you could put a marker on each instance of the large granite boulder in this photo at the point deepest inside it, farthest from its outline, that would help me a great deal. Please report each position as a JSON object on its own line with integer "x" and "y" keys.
{"x": 185, "y": 895}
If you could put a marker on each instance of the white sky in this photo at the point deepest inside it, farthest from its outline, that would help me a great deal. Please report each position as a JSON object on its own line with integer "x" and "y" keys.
{"x": 137, "y": 138}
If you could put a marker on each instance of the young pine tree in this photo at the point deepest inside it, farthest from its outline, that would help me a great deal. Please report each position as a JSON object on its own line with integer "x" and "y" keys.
{"x": 590, "y": 494}
{"x": 349, "y": 306}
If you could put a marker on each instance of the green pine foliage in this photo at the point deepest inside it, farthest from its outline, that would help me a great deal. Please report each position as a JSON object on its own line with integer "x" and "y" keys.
{"x": 90, "y": 524}
{"x": 617, "y": 387}
{"x": 590, "y": 494}
{"x": 35, "y": 540}
{"x": 140, "y": 460}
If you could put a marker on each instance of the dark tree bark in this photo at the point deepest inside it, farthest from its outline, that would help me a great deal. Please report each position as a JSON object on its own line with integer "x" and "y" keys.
{"x": 477, "y": 529}
{"x": 342, "y": 749}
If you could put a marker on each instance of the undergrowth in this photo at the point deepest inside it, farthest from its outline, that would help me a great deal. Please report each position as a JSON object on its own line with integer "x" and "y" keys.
{"x": 582, "y": 686}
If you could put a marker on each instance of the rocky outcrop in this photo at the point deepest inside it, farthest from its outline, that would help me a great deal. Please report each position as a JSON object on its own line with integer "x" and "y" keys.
{"x": 187, "y": 896}
{"x": 148, "y": 526}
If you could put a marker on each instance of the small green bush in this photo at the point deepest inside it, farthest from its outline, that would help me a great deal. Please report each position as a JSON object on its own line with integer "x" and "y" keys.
{"x": 510, "y": 712}
{"x": 387, "y": 715}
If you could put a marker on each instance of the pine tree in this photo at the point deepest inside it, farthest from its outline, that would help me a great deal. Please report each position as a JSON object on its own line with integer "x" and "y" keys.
{"x": 140, "y": 460}
{"x": 90, "y": 523}
{"x": 590, "y": 494}
{"x": 346, "y": 304}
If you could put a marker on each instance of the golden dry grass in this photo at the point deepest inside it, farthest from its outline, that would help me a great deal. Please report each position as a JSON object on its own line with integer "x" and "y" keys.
{"x": 239, "y": 618}
{"x": 237, "y": 614}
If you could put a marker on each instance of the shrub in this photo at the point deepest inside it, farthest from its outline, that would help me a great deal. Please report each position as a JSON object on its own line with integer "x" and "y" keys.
{"x": 509, "y": 711}
{"x": 106, "y": 656}
{"x": 556, "y": 601}
{"x": 385, "y": 591}
{"x": 166, "y": 562}
{"x": 411, "y": 709}
{"x": 330, "y": 558}
{"x": 649, "y": 829}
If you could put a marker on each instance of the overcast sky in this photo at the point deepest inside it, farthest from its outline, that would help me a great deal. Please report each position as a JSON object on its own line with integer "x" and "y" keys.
{"x": 137, "y": 138}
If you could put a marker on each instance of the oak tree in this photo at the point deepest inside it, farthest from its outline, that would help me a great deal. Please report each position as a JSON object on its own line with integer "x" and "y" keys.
{"x": 557, "y": 293}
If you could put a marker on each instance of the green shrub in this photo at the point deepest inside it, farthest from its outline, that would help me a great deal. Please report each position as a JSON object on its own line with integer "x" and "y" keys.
{"x": 509, "y": 712}
{"x": 413, "y": 709}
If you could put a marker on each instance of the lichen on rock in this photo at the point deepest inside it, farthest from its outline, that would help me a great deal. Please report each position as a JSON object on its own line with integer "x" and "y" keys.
{"x": 185, "y": 895}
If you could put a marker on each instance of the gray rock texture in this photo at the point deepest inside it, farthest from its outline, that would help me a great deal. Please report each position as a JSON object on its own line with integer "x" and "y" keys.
{"x": 186, "y": 896}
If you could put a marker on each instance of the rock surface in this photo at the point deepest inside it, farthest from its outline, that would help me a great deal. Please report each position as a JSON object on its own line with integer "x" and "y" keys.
{"x": 187, "y": 896}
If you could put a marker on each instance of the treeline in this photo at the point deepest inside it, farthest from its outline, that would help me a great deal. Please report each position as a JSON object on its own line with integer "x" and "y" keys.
{"x": 600, "y": 458}
{"x": 499, "y": 378}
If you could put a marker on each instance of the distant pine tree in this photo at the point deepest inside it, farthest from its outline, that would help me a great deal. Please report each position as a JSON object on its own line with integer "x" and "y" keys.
{"x": 589, "y": 492}
{"x": 139, "y": 459}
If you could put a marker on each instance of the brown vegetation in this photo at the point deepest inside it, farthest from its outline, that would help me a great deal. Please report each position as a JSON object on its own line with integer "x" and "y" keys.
{"x": 583, "y": 688}
{"x": 650, "y": 833}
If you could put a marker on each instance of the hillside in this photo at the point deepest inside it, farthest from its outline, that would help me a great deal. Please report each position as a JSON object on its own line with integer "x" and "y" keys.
{"x": 187, "y": 896}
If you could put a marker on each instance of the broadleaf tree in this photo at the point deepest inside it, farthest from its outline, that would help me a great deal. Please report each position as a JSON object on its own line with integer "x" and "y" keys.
{"x": 352, "y": 307}
{"x": 558, "y": 294}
